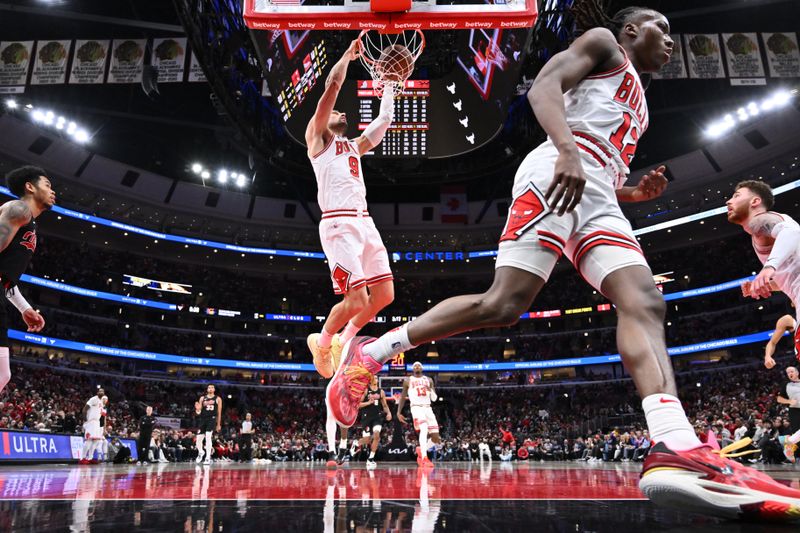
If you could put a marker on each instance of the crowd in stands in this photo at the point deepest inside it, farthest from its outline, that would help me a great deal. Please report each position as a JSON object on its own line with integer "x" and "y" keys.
{"x": 591, "y": 421}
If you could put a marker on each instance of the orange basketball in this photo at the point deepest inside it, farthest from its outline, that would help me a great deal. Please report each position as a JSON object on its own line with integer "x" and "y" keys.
{"x": 395, "y": 63}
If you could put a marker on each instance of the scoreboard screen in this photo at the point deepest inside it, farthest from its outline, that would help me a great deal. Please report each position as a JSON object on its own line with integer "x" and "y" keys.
{"x": 452, "y": 114}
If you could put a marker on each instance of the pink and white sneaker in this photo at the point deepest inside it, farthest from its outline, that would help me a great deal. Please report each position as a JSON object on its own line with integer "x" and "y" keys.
{"x": 347, "y": 387}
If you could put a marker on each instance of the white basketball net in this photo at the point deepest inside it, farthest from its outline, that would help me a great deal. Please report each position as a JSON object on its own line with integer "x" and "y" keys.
{"x": 390, "y": 69}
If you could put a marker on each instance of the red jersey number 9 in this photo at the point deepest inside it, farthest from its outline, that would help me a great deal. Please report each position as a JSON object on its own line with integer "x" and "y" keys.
{"x": 353, "y": 162}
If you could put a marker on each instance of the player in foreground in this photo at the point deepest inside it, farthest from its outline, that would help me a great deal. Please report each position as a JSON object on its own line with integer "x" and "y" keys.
{"x": 420, "y": 389}
{"x": 776, "y": 241}
{"x": 93, "y": 430}
{"x": 17, "y": 244}
{"x": 353, "y": 247}
{"x": 590, "y": 101}
{"x": 210, "y": 419}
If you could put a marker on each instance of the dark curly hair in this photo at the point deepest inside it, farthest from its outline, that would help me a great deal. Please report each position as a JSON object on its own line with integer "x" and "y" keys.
{"x": 590, "y": 14}
{"x": 17, "y": 178}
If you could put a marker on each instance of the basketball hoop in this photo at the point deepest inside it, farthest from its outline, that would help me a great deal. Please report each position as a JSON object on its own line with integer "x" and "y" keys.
{"x": 389, "y": 57}
{"x": 496, "y": 56}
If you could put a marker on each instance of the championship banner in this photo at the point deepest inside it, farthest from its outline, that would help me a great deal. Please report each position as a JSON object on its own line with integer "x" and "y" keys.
{"x": 676, "y": 68}
{"x": 783, "y": 57}
{"x": 127, "y": 60}
{"x": 169, "y": 57}
{"x": 15, "y": 59}
{"x": 743, "y": 55}
{"x": 704, "y": 56}
{"x": 89, "y": 61}
{"x": 195, "y": 71}
{"x": 50, "y": 65}
{"x": 453, "y": 204}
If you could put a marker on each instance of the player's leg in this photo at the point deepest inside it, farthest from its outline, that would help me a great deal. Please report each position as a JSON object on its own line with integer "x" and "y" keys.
{"x": 512, "y": 292}
{"x": 209, "y": 446}
{"x": 201, "y": 437}
{"x": 330, "y": 429}
{"x": 378, "y": 273}
{"x": 5, "y": 353}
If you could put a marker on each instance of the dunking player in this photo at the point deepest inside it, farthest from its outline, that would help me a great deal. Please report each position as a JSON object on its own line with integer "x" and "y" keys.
{"x": 17, "y": 244}
{"x": 210, "y": 421}
{"x": 776, "y": 241}
{"x": 593, "y": 130}
{"x": 784, "y": 324}
{"x": 354, "y": 249}
{"x": 420, "y": 389}
{"x": 373, "y": 411}
{"x": 93, "y": 431}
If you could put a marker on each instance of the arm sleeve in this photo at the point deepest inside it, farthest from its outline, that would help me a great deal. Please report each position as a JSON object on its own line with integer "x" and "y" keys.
{"x": 17, "y": 300}
{"x": 377, "y": 128}
{"x": 787, "y": 242}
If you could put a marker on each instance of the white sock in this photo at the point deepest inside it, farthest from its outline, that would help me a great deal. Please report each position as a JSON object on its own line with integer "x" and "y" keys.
{"x": 667, "y": 422}
{"x": 209, "y": 445}
{"x": 87, "y": 448}
{"x": 389, "y": 344}
{"x": 371, "y": 454}
{"x": 423, "y": 439}
{"x": 343, "y": 444}
{"x": 5, "y": 367}
{"x": 795, "y": 438}
{"x": 199, "y": 444}
{"x": 330, "y": 428}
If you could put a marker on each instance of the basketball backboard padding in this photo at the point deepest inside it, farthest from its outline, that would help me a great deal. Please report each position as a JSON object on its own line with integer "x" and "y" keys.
{"x": 352, "y": 15}
{"x": 389, "y": 6}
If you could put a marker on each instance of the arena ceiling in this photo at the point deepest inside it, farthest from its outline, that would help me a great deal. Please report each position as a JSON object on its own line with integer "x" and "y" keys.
{"x": 166, "y": 132}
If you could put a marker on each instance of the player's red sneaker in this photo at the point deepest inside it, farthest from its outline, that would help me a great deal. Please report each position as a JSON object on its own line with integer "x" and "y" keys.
{"x": 83, "y": 462}
{"x": 707, "y": 482}
{"x": 347, "y": 387}
{"x": 426, "y": 463}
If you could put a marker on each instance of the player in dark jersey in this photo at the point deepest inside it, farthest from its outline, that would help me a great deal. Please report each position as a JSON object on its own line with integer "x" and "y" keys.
{"x": 17, "y": 244}
{"x": 373, "y": 410}
{"x": 210, "y": 419}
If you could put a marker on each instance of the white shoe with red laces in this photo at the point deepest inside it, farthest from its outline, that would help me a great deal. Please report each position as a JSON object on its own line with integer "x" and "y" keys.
{"x": 347, "y": 387}
{"x": 707, "y": 481}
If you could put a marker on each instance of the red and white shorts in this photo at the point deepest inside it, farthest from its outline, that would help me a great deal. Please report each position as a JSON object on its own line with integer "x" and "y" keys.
{"x": 424, "y": 414}
{"x": 354, "y": 249}
{"x": 596, "y": 236}
{"x": 92, "y": 430}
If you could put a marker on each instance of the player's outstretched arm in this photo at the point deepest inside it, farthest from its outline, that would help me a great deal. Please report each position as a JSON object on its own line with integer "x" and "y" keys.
{"x": 31, "y": 316}
{"x": 386, "y": 406}
{"x": 333, "y": 84}
{"x": 652, "y": 185}
{"x": 402, "y": 402}
{"x": 376, "y": 130}
{"x": 597, "y": 47}
{"x": 764, "y": 227}
{"x": 364, "y": 402}
{"x": 784, "y": 324}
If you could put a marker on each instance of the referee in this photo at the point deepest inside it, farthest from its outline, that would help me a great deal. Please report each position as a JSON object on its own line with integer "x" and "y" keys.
{"x": 793, "y": 401}
{"x": 246, "y": 439}
{"x": 146, "y": 425}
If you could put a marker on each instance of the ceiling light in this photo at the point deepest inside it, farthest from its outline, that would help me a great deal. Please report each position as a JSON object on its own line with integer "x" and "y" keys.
{"x": 11, "y": 103}
{"x": 205, "y": 174}
{"x": 38, "y": 116}
{"x": 197, "y": 168}
{"x": 241, "y": 180}
{"x": 222, "y": 176}
{"x": 81, "y": 136}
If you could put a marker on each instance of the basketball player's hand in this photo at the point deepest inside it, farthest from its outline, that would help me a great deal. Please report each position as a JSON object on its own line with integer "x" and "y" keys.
{"x": 33, "y": 320}
{"x": 747, "y": 289}
{"x": 219, "y": 428}
{"x": 354, "y": 50}
{"x": 761, "y": 285}
{"x": 568, "y": 183}
{"x": 389, "y": 417}
{"x": 769, "y": 362}
{"x": 652, "y": 185}
{"x": 401, "y": 419}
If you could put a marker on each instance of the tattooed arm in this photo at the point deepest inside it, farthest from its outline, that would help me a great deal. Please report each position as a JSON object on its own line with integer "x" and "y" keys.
{"x": 770, "y": 229}
{"x": 13, "y": 215}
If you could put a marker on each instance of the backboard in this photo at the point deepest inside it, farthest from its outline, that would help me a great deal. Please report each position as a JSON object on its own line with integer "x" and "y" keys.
{"x": 359, "y": 15}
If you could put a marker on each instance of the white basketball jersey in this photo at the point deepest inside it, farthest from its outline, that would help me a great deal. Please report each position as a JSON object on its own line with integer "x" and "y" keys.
{"x": 787, "y": 275}
{"x": 609, "y": 109}
{"x": 340, "y": 182}
{"x": 95, "y": 408}
{"x": 419, "y": 391}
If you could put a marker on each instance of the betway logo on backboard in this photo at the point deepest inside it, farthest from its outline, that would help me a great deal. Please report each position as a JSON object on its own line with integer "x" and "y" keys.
{"x": 370, "y": 25}
{"x": 337, "y": 25}
{"x": 478, "y": 24}
{"x": 301, "y": 25}
{"x": 514, "y": 23}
